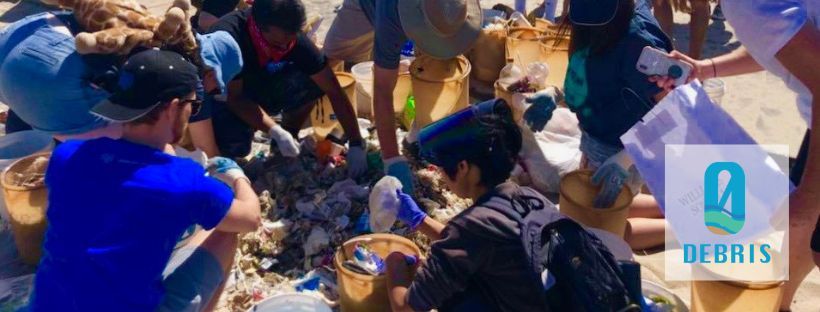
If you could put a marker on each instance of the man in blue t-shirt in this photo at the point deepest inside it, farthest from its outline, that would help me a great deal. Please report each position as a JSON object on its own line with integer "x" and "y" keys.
{"x": 117, "y": 207}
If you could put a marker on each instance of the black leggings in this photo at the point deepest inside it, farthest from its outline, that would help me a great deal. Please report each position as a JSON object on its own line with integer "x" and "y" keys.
{"x": 796, "y": 175}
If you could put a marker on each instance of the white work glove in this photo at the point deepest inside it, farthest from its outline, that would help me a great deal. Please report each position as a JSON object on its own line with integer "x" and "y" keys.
{"x": 356, "y": 160}
{"x": 225, "y": 170}
{"x": 284, "y": 141}
{"x": 196, "y": 155}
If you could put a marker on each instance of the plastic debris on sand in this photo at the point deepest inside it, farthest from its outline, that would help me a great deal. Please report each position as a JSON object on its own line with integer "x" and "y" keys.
{"x": 309, "y": 208}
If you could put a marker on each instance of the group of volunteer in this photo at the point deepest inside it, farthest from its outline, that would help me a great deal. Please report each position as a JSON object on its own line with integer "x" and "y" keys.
{"x": 119, "y": 198}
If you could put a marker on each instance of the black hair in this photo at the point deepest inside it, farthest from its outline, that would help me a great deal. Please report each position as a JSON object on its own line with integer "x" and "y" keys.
{"x": 289, "y": 15}
{"x": 496, "y": 152}
{"x": 599, "y": 39}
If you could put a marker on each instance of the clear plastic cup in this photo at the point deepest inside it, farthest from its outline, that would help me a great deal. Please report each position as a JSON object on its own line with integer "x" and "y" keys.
{"x": 715, "y": 89}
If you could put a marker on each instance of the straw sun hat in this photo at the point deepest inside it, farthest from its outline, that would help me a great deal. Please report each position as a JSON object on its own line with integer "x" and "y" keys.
{"x": 441, "y": 28}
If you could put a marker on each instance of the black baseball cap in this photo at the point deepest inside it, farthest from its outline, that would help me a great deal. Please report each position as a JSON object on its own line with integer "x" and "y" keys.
{"x": 592, "y": 12}
{"x": 147, "y": 79}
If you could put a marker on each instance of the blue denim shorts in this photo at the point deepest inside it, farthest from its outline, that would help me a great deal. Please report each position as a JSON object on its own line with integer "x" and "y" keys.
{"x": 191, "y": 278}
{"x": 44, "y": 80}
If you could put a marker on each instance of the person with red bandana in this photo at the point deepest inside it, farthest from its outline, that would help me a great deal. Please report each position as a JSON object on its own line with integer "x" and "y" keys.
{"x": 283, "y": 72}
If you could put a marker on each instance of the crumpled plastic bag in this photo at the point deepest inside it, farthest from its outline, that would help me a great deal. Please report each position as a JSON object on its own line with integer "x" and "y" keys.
{"x": 15, "y": 292}
{"x": 349, "y": 188}
{"x": 384, "y": 204}
{"x": 316, "y": 241}
{"x": 278, "y": 229}
{"x": 549, "y": 154}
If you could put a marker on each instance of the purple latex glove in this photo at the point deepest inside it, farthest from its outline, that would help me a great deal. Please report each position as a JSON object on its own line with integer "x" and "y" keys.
{"x": 409, "y": 211}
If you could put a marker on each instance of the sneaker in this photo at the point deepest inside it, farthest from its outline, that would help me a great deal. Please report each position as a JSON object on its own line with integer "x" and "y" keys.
{"x": 717, "y": 14}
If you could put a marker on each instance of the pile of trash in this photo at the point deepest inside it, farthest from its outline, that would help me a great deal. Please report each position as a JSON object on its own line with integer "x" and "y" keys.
{"x": 309, "y": 208}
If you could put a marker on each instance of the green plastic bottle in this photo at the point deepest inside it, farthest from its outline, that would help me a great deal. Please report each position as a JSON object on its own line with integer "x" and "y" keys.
{"x": 409, "y": 112}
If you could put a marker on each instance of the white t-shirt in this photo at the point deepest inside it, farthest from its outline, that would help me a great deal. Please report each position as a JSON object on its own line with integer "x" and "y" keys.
{"x": 765, "y": 26}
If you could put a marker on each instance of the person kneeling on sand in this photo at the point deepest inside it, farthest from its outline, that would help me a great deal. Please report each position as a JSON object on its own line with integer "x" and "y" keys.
{"x": 379, "y": 28}
{"x": 782, "y": 37}
{"x": 61, "y": 85}
{"x": 117, "y": 207}
{"x": 479, "y": 259}
{"x": 283, "y": 72}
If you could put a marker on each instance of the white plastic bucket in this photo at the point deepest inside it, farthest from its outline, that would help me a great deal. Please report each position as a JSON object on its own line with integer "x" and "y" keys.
{"x": 363, "y": 73}
{"x": 293, "y": 302}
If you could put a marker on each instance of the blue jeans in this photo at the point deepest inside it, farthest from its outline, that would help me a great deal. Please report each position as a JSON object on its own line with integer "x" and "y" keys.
{"x": 191, "y": 278}
{"x": 44, "y": 80}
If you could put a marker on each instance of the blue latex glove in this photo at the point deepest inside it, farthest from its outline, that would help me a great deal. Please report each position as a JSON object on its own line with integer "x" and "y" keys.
{"x": 612, "y": 175}
{"x": 225, "y": 170}
{"x": 399, "y": 168}
{"x": 540, "y": 112}
{"x": 409, "y": 211}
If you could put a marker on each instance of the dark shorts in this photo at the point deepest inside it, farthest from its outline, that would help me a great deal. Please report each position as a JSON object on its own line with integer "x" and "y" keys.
{"x": 286, "y": 92}
{"x": 796, "y": 175}
{"x": 799, "y": 166}
{"x": 191, "y": 278}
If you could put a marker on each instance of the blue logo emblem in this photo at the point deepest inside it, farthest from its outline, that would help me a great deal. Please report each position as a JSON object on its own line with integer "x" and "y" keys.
{"x": 718, "y": 218}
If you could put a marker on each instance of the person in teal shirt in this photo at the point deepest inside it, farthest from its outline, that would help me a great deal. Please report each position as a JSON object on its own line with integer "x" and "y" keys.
{"x": 609, "y": 96}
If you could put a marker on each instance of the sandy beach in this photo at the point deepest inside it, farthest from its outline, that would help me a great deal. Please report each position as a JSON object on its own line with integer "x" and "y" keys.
{"x": 760, "y": 102}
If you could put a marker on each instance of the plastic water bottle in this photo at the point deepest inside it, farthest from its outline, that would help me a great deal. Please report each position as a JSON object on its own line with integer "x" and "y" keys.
{"x": 408, "y": 49}
{"x": 518, "y": 19}
{"x": 409, "y": 111}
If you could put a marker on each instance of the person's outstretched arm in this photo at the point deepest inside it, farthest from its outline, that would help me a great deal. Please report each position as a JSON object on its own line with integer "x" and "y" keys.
{"x": 737, "y": 62}
{"x": 245, "y": 214}
{"x": 342, "y": 107}
{"x": 246, "y": 109}
{"x": 799, "y": 57}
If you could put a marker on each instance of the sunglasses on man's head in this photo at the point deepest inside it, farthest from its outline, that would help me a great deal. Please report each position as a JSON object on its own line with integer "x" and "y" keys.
{"x": 196, "y": 105}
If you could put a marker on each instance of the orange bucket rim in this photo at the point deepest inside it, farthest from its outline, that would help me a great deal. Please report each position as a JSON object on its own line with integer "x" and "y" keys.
{"x": 565, "y": 196}
{"x": 348, "y": 83}
{"x": 515, "y": 30}
{"x": 464, "y": 65}
{"x": 8, "y": 169}
{"x": 751, "y": 285}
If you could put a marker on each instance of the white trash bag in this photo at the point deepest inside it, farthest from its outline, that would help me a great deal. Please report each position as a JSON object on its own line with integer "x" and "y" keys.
{"x": 384, "y": 204}
{"x": 547, "y": 155}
